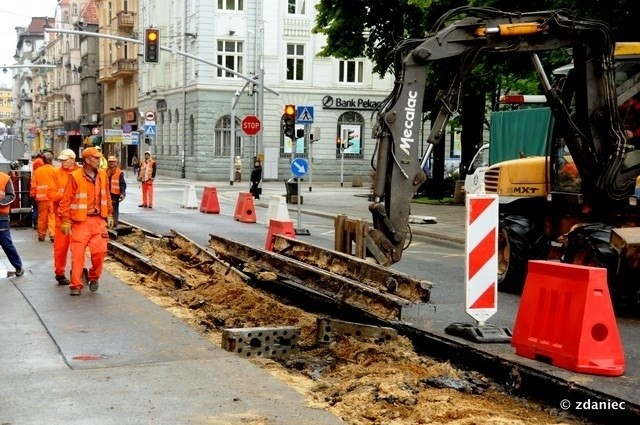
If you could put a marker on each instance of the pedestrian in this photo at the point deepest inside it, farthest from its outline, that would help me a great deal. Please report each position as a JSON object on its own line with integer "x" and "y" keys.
{"x": 135, "y": 163}
{"x": 117, "y": 187}
{"x": 85, "y": 213}
{"x": 41, "y": 182}
{"x": 61, "y": 243}
{"x": 7, "y": 196}
{"x": 145, "y": 177}
{"x": 237, "y": 165}
{"x": 256, "y": 176}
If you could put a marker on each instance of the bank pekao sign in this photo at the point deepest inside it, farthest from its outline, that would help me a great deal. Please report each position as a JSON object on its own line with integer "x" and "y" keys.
{"x": 330, "y": 102}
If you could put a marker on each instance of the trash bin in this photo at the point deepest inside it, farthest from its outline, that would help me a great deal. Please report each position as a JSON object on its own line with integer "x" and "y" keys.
{"x": 291, "y": 186}
{"x": 356, "y": 180}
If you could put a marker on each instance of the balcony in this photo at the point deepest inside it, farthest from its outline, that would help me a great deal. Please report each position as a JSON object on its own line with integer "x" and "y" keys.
{"x": 106, "y": 76}
{"x": 125, "y": 67}
{"x": 125, "y": 20}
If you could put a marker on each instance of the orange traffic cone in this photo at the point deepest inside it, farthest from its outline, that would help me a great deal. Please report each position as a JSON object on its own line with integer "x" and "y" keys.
{"x": 209, "y": 203}
{"x": 278, "y": 227}
{"x": 566, "y": 318}
{"x": 245, "y": 211}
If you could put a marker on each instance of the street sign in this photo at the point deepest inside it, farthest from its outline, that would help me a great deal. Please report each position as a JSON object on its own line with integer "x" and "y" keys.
{"x": 251, "y": 125}
{"x": 304, "y": 115}
{"x": 299, "y": 167}
{"x": 149, "y": 129}
{"x": 150, "y": 116}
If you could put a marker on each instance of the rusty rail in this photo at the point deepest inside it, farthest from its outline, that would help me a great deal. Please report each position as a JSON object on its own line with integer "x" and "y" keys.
{"x": 348, "y": 291}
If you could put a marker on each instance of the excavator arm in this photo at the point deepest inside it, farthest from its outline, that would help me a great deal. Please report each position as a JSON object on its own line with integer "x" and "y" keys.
{"x": 594, "y": 132}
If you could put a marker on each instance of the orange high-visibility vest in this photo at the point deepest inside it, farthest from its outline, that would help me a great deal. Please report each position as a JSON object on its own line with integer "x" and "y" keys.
{"x": 146, "y": 170}
{"x": 80, "y": 202}
{"x": 4, "y": 179}
{"x": 42, "y": 181}
{"x": 115, "y": 182}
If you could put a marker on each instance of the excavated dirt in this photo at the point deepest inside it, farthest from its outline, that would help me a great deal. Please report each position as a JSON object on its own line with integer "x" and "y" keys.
{"x": 360, "y": 382}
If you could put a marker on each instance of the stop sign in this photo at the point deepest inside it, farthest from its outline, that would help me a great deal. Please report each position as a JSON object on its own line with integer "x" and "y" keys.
{"x": 251, "y": 125}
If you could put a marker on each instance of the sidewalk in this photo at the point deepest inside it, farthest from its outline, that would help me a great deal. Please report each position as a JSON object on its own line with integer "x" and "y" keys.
{"x": 114, "y": 357}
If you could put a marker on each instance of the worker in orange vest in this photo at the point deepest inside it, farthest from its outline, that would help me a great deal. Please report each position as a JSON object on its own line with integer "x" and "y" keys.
{"x": 36, "y": 162}
{"x": 85, "y": 212}
{"x": 146, "y": 177}
{"x": 41, "y": 181}
{"x": 117, "y": 187}
{"x": 68, "y": 165}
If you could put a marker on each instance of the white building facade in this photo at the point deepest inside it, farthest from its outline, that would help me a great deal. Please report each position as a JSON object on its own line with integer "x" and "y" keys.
{"x": 192, "y": 100}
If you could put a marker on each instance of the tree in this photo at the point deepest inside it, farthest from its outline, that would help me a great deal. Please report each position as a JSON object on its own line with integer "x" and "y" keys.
{"x": 373, "y": 29}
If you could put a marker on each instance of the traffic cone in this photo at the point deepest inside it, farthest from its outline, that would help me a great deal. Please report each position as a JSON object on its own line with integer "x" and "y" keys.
{"x": 566, "y": 318}
{"x": 189, "y": 197}
{"x": 277, "y": 209}
{"x": 278, "y": 227}
{"x": 209, "y": 203}
{"x": 245, "y": 211}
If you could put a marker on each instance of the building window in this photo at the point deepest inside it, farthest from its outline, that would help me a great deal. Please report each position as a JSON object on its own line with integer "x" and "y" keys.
{"x": 230, "y": 56}
{"x": 297, "y": 7}
{"x": 221, "y": 146}
{"x": 349, "y": 136}
{"x": 351, "y": 71}
{"x": 231, "y": 5}
{"x": 295, "y": 62}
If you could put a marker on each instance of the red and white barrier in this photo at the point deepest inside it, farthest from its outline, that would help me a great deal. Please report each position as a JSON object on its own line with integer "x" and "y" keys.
{"x": 481, "y": 265}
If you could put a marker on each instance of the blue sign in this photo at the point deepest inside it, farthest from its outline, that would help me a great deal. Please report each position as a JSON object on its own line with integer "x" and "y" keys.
{"x": 304, "y": 115}
{"x": 149, "y": 129}
{"x": 299, "y": 167}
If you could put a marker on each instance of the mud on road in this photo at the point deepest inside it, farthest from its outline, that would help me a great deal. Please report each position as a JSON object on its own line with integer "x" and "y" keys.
{"x": 362, "y": 382}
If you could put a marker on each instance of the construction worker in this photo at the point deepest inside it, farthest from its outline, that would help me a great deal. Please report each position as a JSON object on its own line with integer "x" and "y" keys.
{"x": 117, "y": 187}
{"x": 146, "y": 177}
{"x": 68, "y": 165}
{"x": 85, "y": 212}
{"x": 41, "y": 181}
{"x": 7, "y": 196}
{"x": 36, "y": 162}
{"x": 103, "y": 160}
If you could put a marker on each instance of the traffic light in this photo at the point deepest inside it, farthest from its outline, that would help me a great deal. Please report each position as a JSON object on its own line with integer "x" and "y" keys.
{"x": 151, "y": 45}
{"x": 289, "y": 121}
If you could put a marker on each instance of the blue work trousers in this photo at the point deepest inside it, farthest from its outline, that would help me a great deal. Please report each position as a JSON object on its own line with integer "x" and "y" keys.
{"x": 7, "y": 245}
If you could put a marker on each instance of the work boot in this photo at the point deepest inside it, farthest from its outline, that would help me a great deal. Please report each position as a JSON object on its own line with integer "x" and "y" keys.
{"x": 62, "y": 280}
{"x": 93, "y": 285}
{"x": 19, "y": 271}
{"x": 75, "y": 291}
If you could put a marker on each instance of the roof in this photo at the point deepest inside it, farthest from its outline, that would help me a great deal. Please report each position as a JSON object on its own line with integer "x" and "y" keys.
{"x": 37, "y": 24}
{"x": 89, "y": 13}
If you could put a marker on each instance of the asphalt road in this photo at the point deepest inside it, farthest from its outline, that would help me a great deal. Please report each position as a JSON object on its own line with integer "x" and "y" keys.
{"x": 436, "y": 259}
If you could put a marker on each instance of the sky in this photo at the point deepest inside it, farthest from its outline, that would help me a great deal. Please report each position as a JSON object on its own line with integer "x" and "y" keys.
{"x": 18, "y": 13}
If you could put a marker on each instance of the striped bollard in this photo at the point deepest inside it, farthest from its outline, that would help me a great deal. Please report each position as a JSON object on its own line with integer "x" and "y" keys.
{"x": 481, "y": 271}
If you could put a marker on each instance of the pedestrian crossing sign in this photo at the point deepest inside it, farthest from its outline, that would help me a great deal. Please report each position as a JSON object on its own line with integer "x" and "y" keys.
{"x": 304, "y": 115}
{"x": 149, "y": 129}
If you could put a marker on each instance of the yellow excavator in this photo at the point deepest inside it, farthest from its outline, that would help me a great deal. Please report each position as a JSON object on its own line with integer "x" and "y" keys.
{"x": 570, "y": 205}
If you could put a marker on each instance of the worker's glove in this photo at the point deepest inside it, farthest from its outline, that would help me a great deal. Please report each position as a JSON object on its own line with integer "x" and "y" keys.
{"x": 110, "y": 222}
{"x": 65, "y": 227}
{"x": 121, "y": 198}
